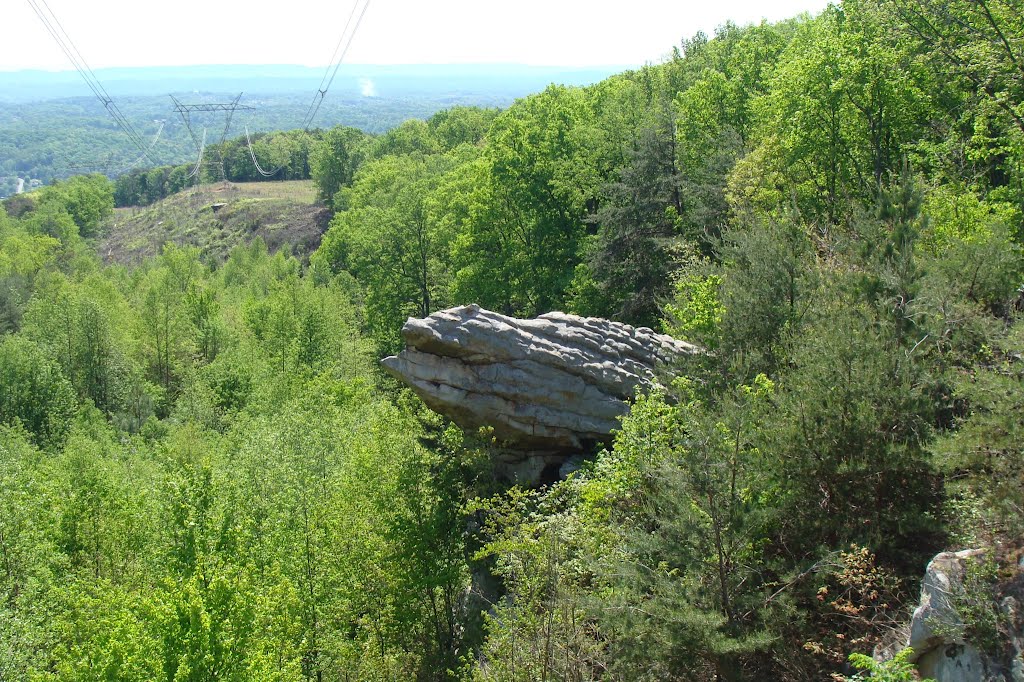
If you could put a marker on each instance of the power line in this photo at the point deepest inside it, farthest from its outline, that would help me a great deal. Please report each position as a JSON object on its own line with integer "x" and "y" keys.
{"x": 199, "y": 161}
{"x": 66, "y": 44}
{"x": 346, "y": 40}
{"x": 74, "y": 48}
{"x": 224, "y": 136}
{"x": 109, "y": 164}
{"x": 68, "y": 165}
{"x": 56, "y": 30}
{"x": 234, "y": 106}
{"x": 256, "y": 163}
{"x": 64, "y": 48}
{"x": 320, "y": 90}
{"x": 325, "y": 82}
{"x": 145, "y": 154}
{"x": 185, "y": 112}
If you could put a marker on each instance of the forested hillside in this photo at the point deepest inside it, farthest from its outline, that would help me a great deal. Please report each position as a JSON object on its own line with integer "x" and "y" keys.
{"x": 204, "y": 475}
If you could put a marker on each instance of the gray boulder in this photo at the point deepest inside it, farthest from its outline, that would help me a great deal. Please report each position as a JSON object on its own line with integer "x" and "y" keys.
{"x": 936, "y": 618}
{"x": 936, "y": 630}
{"x": 551, "y": 386}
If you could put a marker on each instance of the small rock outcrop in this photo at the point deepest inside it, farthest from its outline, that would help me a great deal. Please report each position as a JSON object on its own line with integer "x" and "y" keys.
{"x": 550, "y": 386}
{"x": 937, "y": 631}
{"x": 940, "y": 653}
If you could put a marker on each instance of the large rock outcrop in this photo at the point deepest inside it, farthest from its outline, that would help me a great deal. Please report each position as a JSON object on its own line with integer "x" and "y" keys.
{"x": 549, "y": 387}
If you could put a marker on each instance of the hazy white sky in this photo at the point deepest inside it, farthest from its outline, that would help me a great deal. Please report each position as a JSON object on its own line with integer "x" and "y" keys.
{"x": 540, "y": 32}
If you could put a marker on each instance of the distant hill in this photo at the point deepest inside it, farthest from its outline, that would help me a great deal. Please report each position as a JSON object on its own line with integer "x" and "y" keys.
{"x": 437, "y": 80}
{"x": 52, "y": 127}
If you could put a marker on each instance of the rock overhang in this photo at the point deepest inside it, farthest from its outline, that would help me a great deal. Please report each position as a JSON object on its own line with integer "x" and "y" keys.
{"x": 551, "y": 385}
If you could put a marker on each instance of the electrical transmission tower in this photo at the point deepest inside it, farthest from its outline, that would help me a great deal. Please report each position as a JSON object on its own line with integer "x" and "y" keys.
{"x": 186, "y": 111}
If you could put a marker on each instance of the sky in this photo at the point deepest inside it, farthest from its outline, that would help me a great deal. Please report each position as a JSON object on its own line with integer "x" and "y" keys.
{"x": 574, "y": 33}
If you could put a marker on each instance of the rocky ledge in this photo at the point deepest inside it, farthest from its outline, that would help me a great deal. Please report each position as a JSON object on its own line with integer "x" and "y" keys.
{"x": 549, "y": 387}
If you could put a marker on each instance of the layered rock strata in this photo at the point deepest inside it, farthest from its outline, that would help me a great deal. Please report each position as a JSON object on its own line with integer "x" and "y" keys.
{"x": 549, "y": 387}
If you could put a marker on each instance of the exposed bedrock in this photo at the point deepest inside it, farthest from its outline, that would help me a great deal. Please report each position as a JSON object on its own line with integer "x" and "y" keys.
{"x": 550, "y": 386}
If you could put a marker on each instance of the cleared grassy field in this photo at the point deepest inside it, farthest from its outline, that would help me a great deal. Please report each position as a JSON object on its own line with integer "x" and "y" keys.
{"x": 217, "y": 217}
{"x": 297, "y": 191}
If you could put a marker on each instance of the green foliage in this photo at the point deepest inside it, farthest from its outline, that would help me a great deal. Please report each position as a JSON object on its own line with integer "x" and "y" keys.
{"x": 74, "y": 325}
{"x": 411, "y": 137}
{"x": 842, "y": 108}
{"x": 290, "y": 155}
{"x": 529, "y": 195}
{"x": 636, "y": 566}
{"x": 897, "y": 669}
{"x": 769, "y": 282}
{"x": 637, "y": 244}
{"x": 163, "y": 328}
{"x": 143, "y": 187}
{"x": 685, "y": 544}
{"x": 52, "y": 220}
{"x": 392, "y": 241}
{"x": 306, "y": 330}
{"x": 975, "y": 600}
{"x": 204, "y": 475}
{"x": 24, "y": 255}
{"x": 88, "y": 199}
{"x": 987, "y": 440}
{"x": 546, "y": 628}
{"x": 957, "y": 215}
{"x": 283, "y": 522}
{"x": 208, "y": 629}
{"x": 716, "y": 117}
{"x": 34, "y": 392}
{"x": 333, "y": 160}
{"x": 696, "y": 312}
{"x": 984, "y": 273}
{"x": 974, "y": 42}
{"x": 31, "y": 561}
{"x": 887, "y": 246}
{"x": 460, "y": 125}
{"x": 854, "y": 409}
{"x": 96, "y": 530}
{"x": 103, "y": 635}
